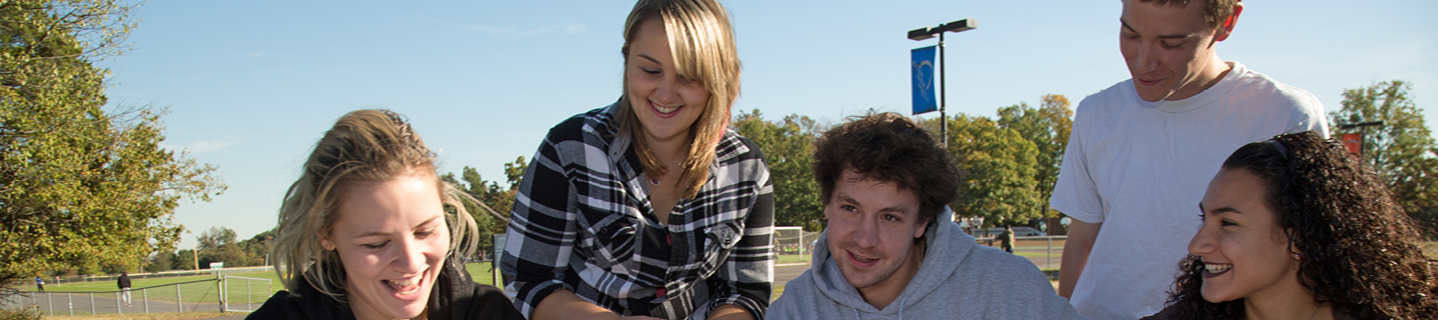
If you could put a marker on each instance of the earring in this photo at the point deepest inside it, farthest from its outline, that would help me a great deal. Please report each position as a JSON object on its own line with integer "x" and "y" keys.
{"x": 1295, "y": 256}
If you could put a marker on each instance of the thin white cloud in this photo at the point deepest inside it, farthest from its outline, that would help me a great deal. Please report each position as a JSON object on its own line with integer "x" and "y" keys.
{"x": 255, "y": 54}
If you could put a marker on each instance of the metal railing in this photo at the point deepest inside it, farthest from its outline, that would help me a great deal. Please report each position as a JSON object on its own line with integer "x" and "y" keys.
{"x": 207, "y": 300}
{"x": 250, "y": 303}
{"x": 1046, "y": 252}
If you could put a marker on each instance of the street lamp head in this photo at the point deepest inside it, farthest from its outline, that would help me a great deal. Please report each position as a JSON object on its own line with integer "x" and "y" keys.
{"x": 960, "y": 25}
{"x": 921, "y": 33}
{"x": 955, "y": 26}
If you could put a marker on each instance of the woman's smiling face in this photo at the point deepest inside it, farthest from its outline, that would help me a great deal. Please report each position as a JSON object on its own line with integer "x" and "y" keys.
{"x": 392, "y": 239}
{"x": 1245, "y": 252}
{"x": 666, "y": 103}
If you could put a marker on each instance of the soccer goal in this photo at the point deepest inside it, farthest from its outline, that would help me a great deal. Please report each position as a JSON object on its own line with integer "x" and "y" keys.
{"x": 793, "y": 244}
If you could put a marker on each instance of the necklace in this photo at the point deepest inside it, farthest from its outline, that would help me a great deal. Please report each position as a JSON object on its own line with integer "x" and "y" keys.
{"x": 1315, "y": 313}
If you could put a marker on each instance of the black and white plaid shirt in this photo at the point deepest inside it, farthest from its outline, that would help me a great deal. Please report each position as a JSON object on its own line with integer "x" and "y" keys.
{"x": 582, "y": 221}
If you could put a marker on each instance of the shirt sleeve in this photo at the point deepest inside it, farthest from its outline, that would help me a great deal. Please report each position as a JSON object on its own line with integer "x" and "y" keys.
{"x": 1075, "y": 193}
{"x": 747, "y": 277}
{"x": 1310, "y": 117}
{"x": 541, "y": 231}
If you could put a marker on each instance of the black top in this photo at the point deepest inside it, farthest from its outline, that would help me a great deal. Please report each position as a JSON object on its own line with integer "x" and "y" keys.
{"x": 455, "y": 296}
{"x": 124, "y": 281}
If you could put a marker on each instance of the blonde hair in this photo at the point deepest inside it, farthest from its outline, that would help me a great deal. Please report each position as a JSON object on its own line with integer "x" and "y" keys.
{"x": 701, "y": 40}
{"x": 363, "y": 145}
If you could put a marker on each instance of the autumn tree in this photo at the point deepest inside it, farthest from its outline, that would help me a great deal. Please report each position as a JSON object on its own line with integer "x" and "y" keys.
{"x": 1402, "y": 150}
{"x": 80, "y": 185}
{"x": 999, "y": 168}
{"x": 788, "y": 148}
{"x": 1048, "y": 127}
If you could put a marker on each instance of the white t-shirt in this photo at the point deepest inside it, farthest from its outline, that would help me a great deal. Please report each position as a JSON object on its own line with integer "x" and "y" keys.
{"x": 1141, "y": 168}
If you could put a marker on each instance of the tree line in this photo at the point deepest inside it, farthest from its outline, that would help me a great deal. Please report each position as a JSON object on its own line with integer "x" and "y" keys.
{"x": 86, "y": 190}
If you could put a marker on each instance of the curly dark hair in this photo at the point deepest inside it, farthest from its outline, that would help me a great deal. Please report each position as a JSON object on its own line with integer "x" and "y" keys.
{"x": 888, "y": 147}
{"x": 1357, "y": 250}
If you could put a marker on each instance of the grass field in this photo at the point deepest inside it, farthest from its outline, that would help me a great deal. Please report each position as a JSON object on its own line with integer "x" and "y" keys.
{"x": 793, "y": 258}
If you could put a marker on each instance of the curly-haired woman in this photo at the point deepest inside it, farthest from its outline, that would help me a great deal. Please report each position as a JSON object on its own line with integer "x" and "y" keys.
{"x": 1296, "y": 228}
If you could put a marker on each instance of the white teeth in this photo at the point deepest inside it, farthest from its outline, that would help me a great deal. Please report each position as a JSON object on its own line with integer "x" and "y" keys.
{"x": 400, "y": 285}
{"x": 405, "y": 282}
{"x": 1217, "y": 268}
{"x": 666, "y": 110}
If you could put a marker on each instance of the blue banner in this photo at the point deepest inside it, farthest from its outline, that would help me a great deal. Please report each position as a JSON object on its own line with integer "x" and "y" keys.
{"x": 923, "y": 70}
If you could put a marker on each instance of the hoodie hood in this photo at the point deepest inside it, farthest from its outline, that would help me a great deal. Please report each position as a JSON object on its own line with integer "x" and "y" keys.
{"x": 940, "y": 262}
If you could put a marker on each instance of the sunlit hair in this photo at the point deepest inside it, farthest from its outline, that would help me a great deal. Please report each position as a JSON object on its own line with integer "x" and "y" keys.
{"x": 1357, "y": 249}
{"x": 701, "y": 40}
{"x": 891, "y": 148}
{"x": 1214, "y": 11}
{"x": 363, "y": 146}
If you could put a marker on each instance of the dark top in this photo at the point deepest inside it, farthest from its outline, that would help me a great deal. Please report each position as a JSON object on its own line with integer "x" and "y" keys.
{"x": 455, "y": 296}
{"x": 1169, "y": 313}
{"x": 124, "y": 281}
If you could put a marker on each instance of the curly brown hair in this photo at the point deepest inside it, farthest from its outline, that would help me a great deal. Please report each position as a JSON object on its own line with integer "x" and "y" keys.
{"x": 1357, "y": 250}
{"x": 888, "y": 147}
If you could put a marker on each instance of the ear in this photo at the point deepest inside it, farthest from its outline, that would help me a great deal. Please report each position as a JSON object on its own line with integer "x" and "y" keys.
{"x": 1227, "y": 27}
{"x": 325, "y": 242}
{"x": 923, "y": 226}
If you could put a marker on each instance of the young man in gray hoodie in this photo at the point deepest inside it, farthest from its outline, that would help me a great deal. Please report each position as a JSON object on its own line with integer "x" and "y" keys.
{"x": 892, "y": 250}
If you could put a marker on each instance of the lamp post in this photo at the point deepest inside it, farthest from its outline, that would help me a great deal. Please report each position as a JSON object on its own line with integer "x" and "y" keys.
{"x": 919, "y": 34}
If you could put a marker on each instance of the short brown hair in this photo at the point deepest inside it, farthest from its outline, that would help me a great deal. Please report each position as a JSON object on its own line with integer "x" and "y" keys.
{"x": 1214, "y": 11}
{"x": 888, "y": 147}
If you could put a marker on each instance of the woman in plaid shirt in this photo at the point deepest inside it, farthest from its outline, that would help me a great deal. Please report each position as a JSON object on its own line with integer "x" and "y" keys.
{"x": 650, "y": 206}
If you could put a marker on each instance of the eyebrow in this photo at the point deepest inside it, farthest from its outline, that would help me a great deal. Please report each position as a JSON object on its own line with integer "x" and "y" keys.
{"x": 1168, "y": 36}
{"x": 893, "y": 209}
{"x": 1219, "y": 210}
{"x": 646, "y": 56}
{"x": 381, "y": 233}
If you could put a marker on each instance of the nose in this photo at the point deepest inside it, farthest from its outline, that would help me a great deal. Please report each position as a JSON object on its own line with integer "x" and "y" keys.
{"x": 1147, "y": 60}
{"x": 866, "y": 233}
{"x": 667, "y": 92}
{"x": 411, "y": 257}
{"x": 1202, "y": 242}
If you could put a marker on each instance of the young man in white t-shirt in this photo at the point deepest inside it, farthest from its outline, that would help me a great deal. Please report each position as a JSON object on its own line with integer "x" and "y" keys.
{"x": 1143, "y": 150}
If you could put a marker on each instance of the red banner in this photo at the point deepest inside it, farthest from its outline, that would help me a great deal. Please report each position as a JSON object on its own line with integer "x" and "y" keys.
{"x": 1353, "y": 142}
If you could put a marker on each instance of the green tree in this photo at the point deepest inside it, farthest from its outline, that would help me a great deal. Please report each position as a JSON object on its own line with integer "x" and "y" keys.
{"x": 219, "y": 245}
{"x": 1048, "y": 128}
{"x": 491, "y": 214}
{"x": 163, "y": 260}
{"x": 1000, "y": 170}
{"x": 80, "y": 186}
{"x": 1402, "y": 150}
{"x": 259, "y": 246}
{"x": 788, "y": 148}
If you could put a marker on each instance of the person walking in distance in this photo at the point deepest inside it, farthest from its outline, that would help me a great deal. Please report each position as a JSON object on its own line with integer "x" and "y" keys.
{"x": 124, "y": 283}
{"x": 1006, "y": 239}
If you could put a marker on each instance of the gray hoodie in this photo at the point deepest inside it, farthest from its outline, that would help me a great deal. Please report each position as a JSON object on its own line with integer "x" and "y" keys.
{"x": 957, "y": 280}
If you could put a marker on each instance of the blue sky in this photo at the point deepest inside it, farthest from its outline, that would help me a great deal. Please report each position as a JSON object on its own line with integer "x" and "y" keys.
{"x": 251, "y": 85}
